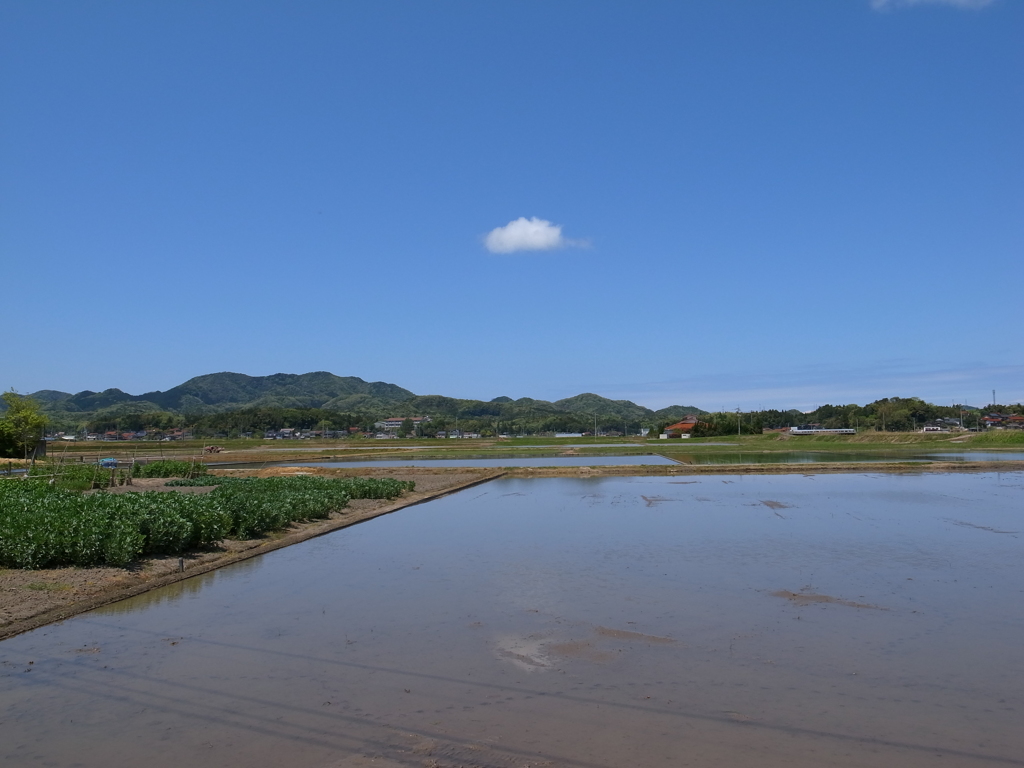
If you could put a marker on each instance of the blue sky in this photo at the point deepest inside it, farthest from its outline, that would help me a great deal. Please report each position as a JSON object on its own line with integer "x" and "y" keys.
{"x": 760, "y": 204}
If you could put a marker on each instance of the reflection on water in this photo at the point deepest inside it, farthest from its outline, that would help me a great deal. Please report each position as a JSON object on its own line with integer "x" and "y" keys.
{"x": 843, "y": 620}
{"x": 179, "y": 590}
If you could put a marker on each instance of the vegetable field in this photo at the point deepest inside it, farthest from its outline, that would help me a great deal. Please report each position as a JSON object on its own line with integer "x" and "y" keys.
{"x": 170, "y": 468}
{"x": 43, "y": 526}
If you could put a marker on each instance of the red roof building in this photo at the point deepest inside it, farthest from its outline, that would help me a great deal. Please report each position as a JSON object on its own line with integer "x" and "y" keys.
{"x": 683, "y": 427}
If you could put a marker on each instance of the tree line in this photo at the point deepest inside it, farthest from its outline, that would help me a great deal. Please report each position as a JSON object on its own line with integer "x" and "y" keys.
{"x": 890, "y": 414}
{"x": 23, "y": 423}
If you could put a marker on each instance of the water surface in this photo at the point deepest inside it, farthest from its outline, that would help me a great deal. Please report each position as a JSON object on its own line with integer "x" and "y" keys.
{"x": 810, "y": 457}
{"x": 841, "y": 620}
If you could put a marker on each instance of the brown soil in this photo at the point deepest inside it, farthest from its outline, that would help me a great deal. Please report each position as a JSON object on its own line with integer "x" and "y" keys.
{"x": 810, "y": 598}
{"x": 30, "y": 599}
{"x": 625, "y": 634}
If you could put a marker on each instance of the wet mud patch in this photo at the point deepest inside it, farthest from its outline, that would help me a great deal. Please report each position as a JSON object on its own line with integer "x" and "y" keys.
{"x": 580, "y": 649}
{"x": 625, "y": 634}
{"x": 535, "y": 652}
{"x": 527, "y": 653}
{"x": 812, "y": 598}
{"x": 655, "y": 500}
{"x": 965, "y": 524}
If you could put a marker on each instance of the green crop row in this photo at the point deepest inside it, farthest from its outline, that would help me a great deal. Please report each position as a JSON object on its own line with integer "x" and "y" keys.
{"x": 74, "y": 477}
{"x": 42, "y": 525}
{"x": 83, "y": 477}
{"x": 356, "y": 487}
{"x": 170, "y": 468}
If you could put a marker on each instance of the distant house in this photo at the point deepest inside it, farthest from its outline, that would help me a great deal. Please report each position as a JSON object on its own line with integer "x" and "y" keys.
{"x": 681, "y": 428}
{"x": 394, "y": 423}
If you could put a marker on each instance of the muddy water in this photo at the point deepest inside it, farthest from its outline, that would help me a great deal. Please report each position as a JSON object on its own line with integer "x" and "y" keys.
{"x": 840, "y": 620}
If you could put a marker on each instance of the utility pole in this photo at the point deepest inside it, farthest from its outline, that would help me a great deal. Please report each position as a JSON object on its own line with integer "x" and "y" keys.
{"x": 737, "y": 422}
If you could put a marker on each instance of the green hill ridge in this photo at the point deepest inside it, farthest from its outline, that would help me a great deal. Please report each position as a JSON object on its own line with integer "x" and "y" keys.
{"x": 224, "y": 392}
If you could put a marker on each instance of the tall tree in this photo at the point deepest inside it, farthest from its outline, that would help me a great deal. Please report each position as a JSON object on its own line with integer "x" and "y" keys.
{"x": 21, "y": 427}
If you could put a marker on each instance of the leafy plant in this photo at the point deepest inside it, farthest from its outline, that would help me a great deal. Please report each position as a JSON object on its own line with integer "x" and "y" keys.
{"x": 170, "y": 468}
{"x": 43, "y": 525}
{"x": 72, "y": 477}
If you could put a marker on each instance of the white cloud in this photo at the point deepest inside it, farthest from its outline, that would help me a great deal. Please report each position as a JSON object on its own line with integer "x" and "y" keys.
{"x": 884, "y": 5}
{"x": 527, "y": 235}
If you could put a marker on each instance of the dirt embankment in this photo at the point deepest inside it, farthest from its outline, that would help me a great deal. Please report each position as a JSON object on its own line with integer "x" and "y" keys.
{"x": 30, "y": 599}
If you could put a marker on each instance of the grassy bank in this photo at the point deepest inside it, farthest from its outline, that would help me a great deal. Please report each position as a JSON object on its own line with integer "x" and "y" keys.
{"x": 996, "y": 439}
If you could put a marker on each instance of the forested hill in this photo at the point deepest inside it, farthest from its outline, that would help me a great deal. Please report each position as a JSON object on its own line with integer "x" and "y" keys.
{"x": 224, "y": 392}
{"x": 219, "y": 392}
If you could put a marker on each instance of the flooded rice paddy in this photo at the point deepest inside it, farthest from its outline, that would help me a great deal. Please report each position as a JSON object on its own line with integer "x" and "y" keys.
{"x": 670, "y": 457}
{"x": 788, "y": 620}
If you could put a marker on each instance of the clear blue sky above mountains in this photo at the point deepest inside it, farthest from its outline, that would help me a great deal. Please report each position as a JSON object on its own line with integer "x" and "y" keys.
{"x": 778, "y": 204}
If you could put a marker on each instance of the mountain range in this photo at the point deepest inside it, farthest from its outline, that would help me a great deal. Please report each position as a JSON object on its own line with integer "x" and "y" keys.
{"x": 220, "y": 392}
